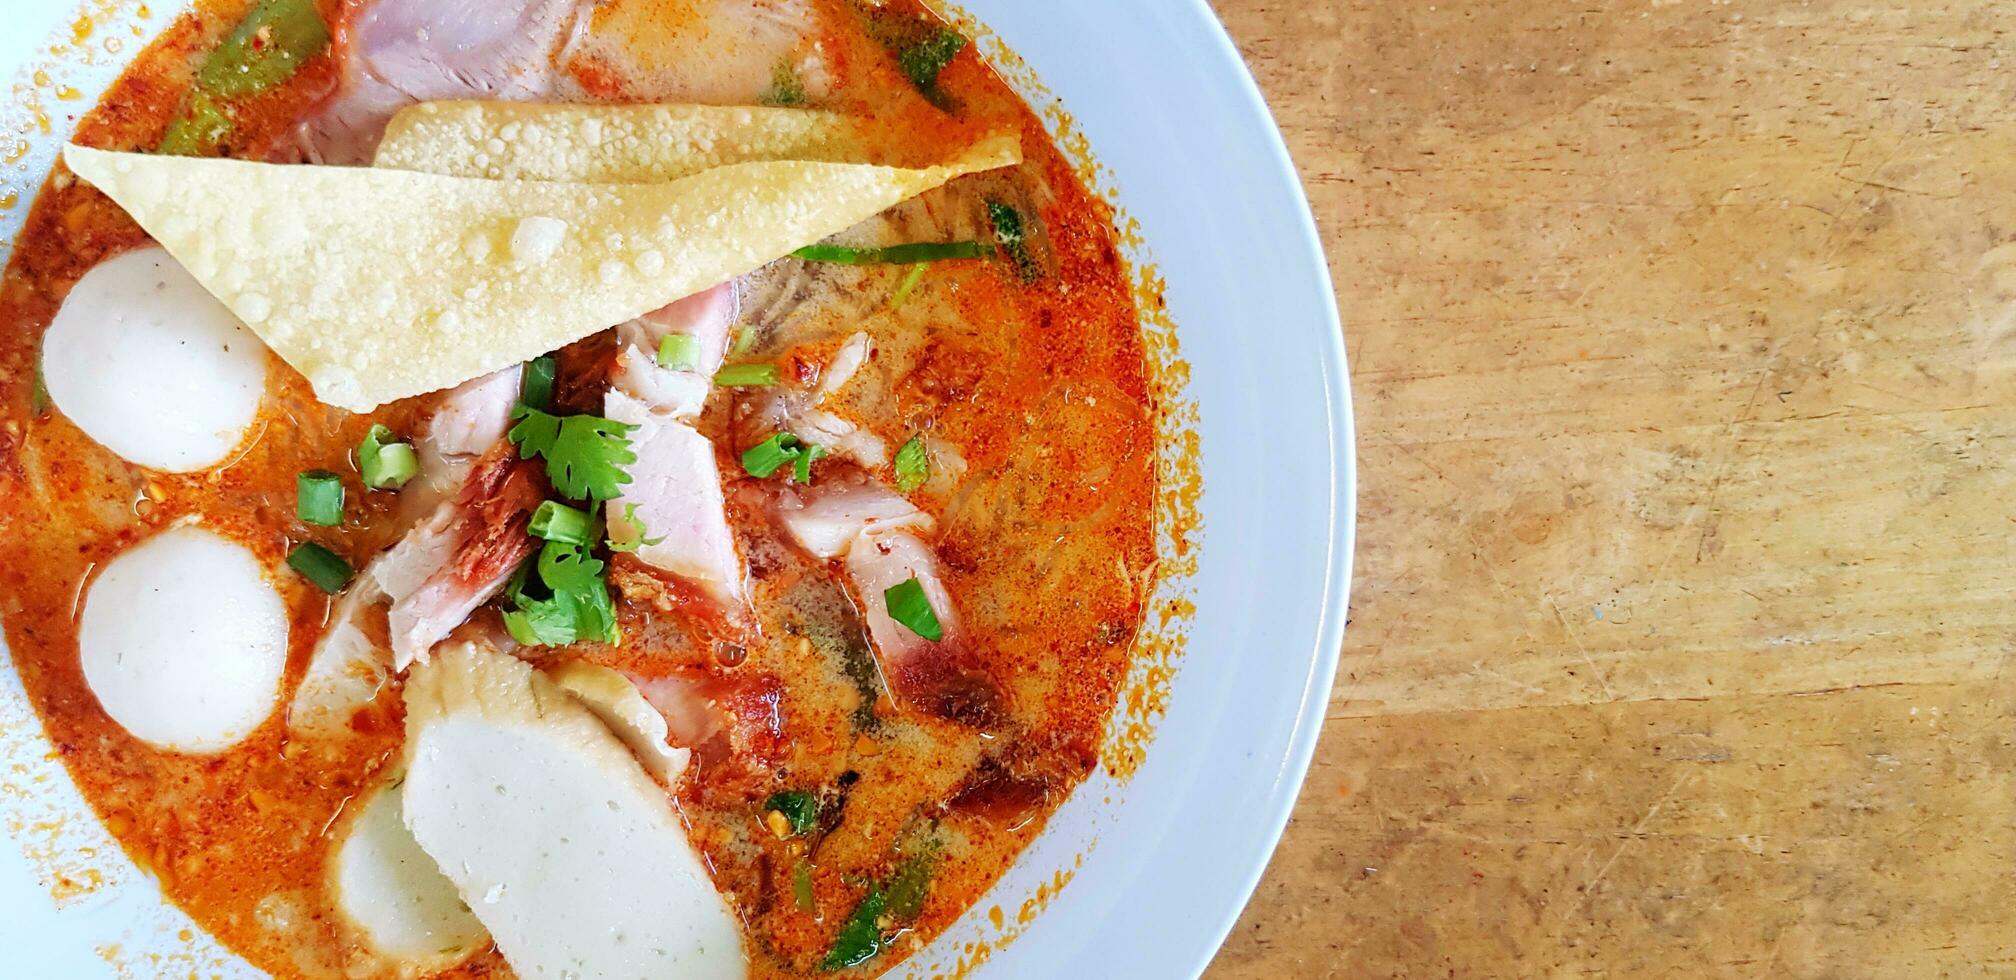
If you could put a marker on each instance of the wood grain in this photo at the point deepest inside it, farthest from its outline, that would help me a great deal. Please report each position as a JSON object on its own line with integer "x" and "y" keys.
{"x": 1683, "y": 336}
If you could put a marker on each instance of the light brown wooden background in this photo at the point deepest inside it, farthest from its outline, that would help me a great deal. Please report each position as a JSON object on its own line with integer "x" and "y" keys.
{"x": 1683, "y": 335}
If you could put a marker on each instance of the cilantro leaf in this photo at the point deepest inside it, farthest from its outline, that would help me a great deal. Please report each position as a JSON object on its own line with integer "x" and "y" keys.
{"x": 585, "y": 454}
{"x": 578, "y": 608}
{"x": 543, "y": 622}
{"x": 568, "y": 568}
{"x": 633, "y": 526}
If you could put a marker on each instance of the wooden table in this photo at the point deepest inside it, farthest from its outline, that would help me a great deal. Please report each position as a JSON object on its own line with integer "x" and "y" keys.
{"x": 1683, "y": 335}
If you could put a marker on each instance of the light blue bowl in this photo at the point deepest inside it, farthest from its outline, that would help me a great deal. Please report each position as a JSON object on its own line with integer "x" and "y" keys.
{"x": 1154, "y": 868}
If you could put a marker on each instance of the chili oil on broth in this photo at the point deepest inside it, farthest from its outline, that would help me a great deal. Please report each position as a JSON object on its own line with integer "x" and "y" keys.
{"x": 1040, "y": 386}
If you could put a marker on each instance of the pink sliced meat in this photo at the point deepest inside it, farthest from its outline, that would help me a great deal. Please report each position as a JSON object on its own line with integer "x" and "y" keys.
{"x": 878, "y": 535}
{"x": 676, "y": 487}
{"x": 454, "y": 562}
{"x": 826, "y": 519}
{"x": 399, "y": 52}
{"x": 735, "y": 719}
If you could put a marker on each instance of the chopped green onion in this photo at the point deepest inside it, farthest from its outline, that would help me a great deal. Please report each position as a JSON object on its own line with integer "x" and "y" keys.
{"x": 910, "y": 252}
{"x": 745, "y": 338}
{"x": 802, "y": 471}
{"x": 908, "y": 285}
{"x": 800, "y": 809}
{"x": 923, "y": 60}
{"x": 770, "y": 455}
{"x": 679, "y": 352}
{"x": 913, "y": 465}
{"x": 907, "y": 604}
{"x": 319, "y": 565}
{"x": 860, "y": 937}
{"x": 746, "y": 376}
{"x": 386, "y": 465}
{"x": 801, "y": 886}
{"x": 555, "y": 521}
{"x": 535, "y": 386}
{"x": 1014, "y": 241}
{"x": 318, "y": 497}
{"x": 265, "y": 49}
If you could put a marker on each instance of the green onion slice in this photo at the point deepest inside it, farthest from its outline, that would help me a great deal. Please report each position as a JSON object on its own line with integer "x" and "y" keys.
{"x": 801, "y": 887}
{"x": 384, "y": 464}
{"x": 746, "y": 376}
{"x": 907, "y": 286}
{"x": 802, "y": 470}
{"x": 319, "y": 565}
{"x": 911, "y": 252}
{"x": 318, "y": 497}
{"x": 745, "y": 338}
{"x": 907, "y": 604}
{"x": 535, "y": 386}
{"x": 265, "y": 49}
{"x": 770, "y": 455}
{"x": 679, "y": 352}
{"x": 913, "y": 465}
{"x": 555, "y": 521}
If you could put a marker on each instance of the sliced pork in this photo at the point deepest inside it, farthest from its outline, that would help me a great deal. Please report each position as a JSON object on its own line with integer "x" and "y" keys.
{"x": 801, "y": 412}
{"x": 675, "y": 485}
{"x": 455, "y": 561}
{"x": 399, "y": 52}
{"x": 879, "y": 536}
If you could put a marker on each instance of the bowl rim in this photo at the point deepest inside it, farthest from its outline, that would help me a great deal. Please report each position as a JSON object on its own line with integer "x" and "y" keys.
{"x": 1342, "y": 533}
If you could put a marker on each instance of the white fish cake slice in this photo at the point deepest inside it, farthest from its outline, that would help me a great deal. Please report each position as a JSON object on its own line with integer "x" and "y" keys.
{"x": 552, "y": 832}
{"x": 392, "y": 892}
{"x": 622, "y": 707}
{"x": 379, "y": 284}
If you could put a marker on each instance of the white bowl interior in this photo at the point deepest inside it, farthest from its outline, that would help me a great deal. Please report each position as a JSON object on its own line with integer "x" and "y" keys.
{"x": 1143, "y": 875}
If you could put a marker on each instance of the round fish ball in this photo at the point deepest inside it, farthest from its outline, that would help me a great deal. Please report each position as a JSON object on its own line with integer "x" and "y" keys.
{"x": 183, "y": 641}
{"x": 151, "y": 366}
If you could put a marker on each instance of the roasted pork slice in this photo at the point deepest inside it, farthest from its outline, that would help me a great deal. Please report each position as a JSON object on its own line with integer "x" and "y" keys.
{"x": 400, "y": 52}
{"x": 878, "y": 536}
{"x": 826, "y": 519}
{"x": 674, "y": 499}
{"x": 552, "y": 831}
{"x": 461, "y": 555}
{"x": 675, "y": 490}
{"x": 353, "y": 658}
{"x": 349, "y": 666}
{"x": 801, "y": 411}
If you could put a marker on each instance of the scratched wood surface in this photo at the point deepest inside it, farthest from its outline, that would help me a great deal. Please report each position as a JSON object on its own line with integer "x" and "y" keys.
{"x": 1683, "y": 338}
